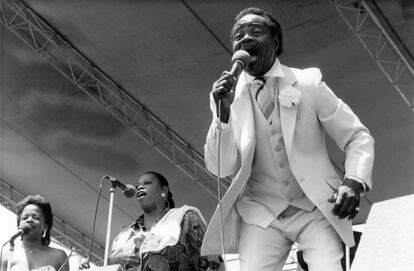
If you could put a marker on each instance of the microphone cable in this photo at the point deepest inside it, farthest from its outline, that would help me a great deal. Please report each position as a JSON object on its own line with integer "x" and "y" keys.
{"x": 85, "y": 264}
{"x": 219, "y": 186}
{"x": 240, "y": 59}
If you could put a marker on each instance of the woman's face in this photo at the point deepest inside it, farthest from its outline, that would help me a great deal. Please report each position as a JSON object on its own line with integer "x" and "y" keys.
{"x": 33, "y": 216}
{"x": 149, "y": 190}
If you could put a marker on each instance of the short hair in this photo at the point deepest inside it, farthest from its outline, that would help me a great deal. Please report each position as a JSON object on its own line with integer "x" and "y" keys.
{"x": 163, "y": 182}
{"x": 274, "y": 25}
{"x": 46, "y": 208}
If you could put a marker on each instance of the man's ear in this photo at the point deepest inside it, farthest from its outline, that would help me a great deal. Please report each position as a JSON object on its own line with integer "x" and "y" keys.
{"x": 276, "y": 42}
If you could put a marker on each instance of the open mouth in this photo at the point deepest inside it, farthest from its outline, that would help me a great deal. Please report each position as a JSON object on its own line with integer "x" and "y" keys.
{"x": 253, "y": 52}
{"x": 141, "y": 194}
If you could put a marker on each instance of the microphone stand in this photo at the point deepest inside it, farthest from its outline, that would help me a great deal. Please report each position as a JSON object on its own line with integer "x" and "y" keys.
{"x": 108, "y": 228}
{"x": 21, "y": 232}
{"x": 9, "y": 259}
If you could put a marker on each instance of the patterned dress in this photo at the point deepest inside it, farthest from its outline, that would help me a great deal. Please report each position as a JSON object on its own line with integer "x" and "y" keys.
{"x": 183, "y": 256}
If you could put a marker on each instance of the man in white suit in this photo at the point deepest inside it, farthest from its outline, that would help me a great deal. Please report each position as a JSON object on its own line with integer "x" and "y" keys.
{"x": 272, "y": 125}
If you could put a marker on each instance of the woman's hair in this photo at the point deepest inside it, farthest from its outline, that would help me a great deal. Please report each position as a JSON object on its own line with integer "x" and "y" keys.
{"x": 163, "y": 182}
{"x": 46, "y": 208}
{"x": 274, "y": 25}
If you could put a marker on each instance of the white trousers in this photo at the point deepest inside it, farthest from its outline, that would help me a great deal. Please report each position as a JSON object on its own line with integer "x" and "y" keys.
{"x": 267, "y": 249}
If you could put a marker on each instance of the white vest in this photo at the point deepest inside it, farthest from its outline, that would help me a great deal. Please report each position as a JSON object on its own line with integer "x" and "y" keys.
{"x": 271, "y": 187}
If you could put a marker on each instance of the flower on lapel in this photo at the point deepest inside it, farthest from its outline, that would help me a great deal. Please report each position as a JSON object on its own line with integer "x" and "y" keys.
{"x": 289, "y": 97}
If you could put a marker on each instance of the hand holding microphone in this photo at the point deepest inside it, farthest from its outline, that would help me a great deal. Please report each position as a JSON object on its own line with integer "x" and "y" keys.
{"x": 223, "y": 88}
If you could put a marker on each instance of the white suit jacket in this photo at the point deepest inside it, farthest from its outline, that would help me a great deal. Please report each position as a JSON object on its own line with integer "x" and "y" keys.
{"x": 303, "y": 129}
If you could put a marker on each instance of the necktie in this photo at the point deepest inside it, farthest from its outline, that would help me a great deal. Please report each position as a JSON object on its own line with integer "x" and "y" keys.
{"x": 263, "y": 95}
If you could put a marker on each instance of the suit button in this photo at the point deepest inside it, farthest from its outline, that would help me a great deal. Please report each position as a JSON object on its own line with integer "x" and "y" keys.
{"x": 286, "y": 183}
{"x": 278, "y": 148}
{"x": 282, "y": 165}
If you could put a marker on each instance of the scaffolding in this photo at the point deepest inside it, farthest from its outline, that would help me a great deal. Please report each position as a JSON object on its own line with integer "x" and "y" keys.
{"x": 37, "y": 34}
{"x": 381, "y": 43}
{"x": 73, "y": 65}
{"x": 44, "y": 40}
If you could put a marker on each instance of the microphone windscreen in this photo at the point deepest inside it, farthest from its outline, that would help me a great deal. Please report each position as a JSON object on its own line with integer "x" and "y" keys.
{"x": 129, "y": 191}
{"x": 242, "y": 56}
{"x": 26, "y": 228}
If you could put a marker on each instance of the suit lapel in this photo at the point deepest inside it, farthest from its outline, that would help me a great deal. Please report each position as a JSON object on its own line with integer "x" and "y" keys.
{"x": 287, "y": 115}
{"x": 242, "y": 108}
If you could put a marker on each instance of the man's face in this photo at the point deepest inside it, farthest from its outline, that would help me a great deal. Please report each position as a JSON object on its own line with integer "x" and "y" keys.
{"x": 252, "y": 34}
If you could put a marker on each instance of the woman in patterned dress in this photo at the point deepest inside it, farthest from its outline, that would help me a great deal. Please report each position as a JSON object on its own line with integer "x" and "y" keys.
{"x": 163, "y": 238}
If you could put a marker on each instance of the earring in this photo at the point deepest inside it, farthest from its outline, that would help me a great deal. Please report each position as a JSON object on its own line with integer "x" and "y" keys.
{"x": 163, "y": 196}
{"x": 44, "y": 234}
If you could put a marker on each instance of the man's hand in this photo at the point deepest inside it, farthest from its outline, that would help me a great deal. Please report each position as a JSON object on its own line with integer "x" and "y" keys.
{"x": 222, "y": 91}
{"x": 346, "y": 199}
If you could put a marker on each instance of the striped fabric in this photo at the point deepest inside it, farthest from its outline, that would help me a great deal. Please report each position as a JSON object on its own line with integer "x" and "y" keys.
{"x": 263, "y": 97}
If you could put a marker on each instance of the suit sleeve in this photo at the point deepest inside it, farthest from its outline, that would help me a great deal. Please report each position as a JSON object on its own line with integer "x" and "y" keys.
{"x": 351, "y": 136}
{"x": 228, "y": 146}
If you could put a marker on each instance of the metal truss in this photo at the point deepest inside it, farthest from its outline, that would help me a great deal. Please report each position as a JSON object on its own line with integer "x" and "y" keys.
{"x": 382, "y": 45}
{"x": 49, "y": 44}
{"x": 61, "y": 232}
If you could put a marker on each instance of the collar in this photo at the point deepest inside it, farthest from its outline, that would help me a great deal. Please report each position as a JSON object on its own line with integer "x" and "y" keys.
{"x": 275, "y": 71}
{"x": 139, "y": 223}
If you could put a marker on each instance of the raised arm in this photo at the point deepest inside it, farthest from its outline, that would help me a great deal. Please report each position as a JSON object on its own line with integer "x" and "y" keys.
{"x": 220, "y": 138}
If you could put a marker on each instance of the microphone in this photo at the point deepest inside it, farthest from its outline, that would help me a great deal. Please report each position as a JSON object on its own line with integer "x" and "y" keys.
{"x": 128, "y": 190}
{"x": 22, "y": 230}
{"x": 240, "y": 60}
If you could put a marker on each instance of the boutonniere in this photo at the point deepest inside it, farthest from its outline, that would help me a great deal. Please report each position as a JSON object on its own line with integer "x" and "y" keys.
{"x": 289, "y": 97}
